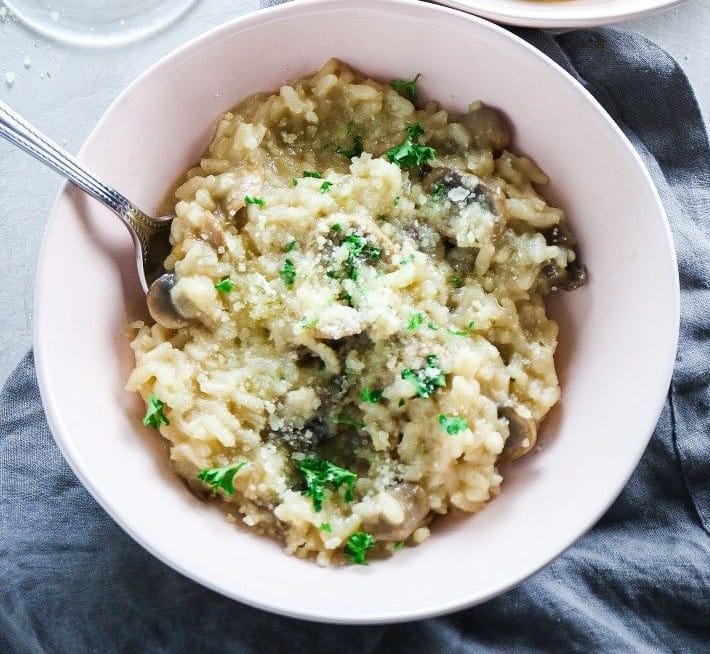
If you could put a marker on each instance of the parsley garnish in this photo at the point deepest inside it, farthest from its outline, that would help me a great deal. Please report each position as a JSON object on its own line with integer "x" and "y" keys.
{"x": 427, "y": 379}
{"x": 336, "y": 227}
{"x": 288, "y": 273}
{"x": 438, "y": 191}
{"x": 410, "y": 153}
{"x": 349, "y": 422}
{"x": 325, "y": 526}
{"x": 433, "y": 326}
{"x": 252, "y": 200}
{"x": 452, "y": 424}
{"x": 221, "y": 478}
{"x": 410, "y": 87}
{"x": 373, "y": 396}
{"x": 354, "y": 151}
{"x": 292, "y": 245}
{"x": 416, "y": 320}
{"x": 359, "y": 248}
{"x": 455, "y": 281}
{"x": 318, "y": 473}
{"x": 154, "y": 416}
{"x": 461, "y": 332}
{"x": 346, "y": 297}
{"x": 309, "y": 323}
{"x": 406, "y": 260}
{"x": 312, "y": 173}
{"x": 398, "y": 545}
{"x": 395, "y": 201}
{"x": 401, "y": 402}
{"x": 357, "y": 546}
{"x": 225, "y": 286}
{"x": 325, "y": 187}
{"x": 294, "y": 181}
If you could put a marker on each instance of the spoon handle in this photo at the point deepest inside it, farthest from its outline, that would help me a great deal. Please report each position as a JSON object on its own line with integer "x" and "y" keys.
{"x": 18, "y": 131}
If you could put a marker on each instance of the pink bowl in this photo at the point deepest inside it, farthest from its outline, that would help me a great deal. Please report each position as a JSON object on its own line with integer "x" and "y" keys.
{"x": 618, "y": 334}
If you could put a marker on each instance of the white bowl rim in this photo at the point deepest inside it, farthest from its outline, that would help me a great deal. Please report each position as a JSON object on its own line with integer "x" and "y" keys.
{"x": 560, "y": 15}
{"x": 53, "y": 411}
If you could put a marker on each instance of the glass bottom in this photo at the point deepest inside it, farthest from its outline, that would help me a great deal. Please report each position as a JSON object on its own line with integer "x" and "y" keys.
{"x": 98, "y": 23}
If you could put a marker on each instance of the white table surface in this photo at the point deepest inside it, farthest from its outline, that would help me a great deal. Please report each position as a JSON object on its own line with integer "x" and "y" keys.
{"x": 65, "y": 90}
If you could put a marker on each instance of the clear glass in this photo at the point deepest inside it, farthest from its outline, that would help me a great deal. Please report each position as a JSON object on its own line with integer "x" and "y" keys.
{"x": 99, "y": 23}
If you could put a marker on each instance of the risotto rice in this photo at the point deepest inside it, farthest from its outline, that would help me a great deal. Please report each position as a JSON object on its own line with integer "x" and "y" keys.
{"x": 368, "y": 338}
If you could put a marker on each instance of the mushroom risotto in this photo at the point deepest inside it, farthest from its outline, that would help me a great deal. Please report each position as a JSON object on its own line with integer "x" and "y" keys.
{"x": 362, "y": 283}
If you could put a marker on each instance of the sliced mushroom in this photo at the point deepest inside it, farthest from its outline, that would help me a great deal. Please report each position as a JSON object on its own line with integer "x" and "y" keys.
{"x": 522, "y": 434}
{"x": 569, "y": 278}
{"x": 558, "y": 235}
{"x": 213, "y": 231}
{"x": 487, "y": 126}
{"x": 415, "y": 506}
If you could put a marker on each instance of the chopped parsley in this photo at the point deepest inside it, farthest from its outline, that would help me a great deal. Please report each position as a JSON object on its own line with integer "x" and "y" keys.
{"x": 225, "y": 285}
{"x": 318, "y": 473}
{"x": 406, "y": 260}
{"x": 290, "y": 246}
{"x": 294, "y": 181}
{"x": 221, "y": 478}
{"x": 154, "y": 416}
{"x": 336, "y": 227}
{"x": 349, "y": 422}
{"x": 415, "y": 321}
{"x": 410, "y": 87}
{"x": 398, "y": 545}
{"x": 312, "y": 173}
{"x": 288, "y": 273}
{"x": 438, "y": 192}
{"x": 357, "y": 546}
{"x": 370, "y": 395}
{"x": 325, "y": 526}
{"x": 410, "y": 153}
{"x": 401, "y": 402}
{"x": 427, "y": 379}
{"x": 355, "y": 150}
{"x": 346, "y": 297}
{"x": 452, "y": 424}
{"x": 325, "y": 187}
{"x": 309, "y": 323}
{"x": 252, "y": 200}
{"x": 358, "y": 248}
{"x": 456, "y": 281}
{"x": 462, "y": 332}
{"x": 433, "y": 326}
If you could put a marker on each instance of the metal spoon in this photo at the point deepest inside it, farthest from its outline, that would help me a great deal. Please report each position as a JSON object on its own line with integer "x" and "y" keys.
{"x": 150, "y": 235}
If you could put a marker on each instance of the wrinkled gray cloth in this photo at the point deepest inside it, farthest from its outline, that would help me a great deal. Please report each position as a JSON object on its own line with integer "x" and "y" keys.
{"x": 71, "y": 581}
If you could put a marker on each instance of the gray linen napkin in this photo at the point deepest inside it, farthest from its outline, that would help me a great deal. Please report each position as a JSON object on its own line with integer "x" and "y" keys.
{"x": 72, "y": 581}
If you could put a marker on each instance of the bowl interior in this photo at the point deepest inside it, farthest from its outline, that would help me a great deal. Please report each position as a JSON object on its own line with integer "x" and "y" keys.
{"x": 626, "y": 317}
{"x": 560, "y": 13}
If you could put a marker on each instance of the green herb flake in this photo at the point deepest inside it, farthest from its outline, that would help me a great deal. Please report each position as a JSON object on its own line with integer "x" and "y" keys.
{"x": 401, "y": 402}
{"x": 319, "y": 473}
{"x": 249, "y": 199}
{"x": 370, "y": 395}
{"x": 452, "y": 424}
{"x": 398, "y": 545}
{"x": 455, "y": 282}
{"x": 357, "y": 546}
{"x": 406, "y": 260}
{"x": 356, "y": 149}
{"x": 358, "y": 248}
{"x": 309, "y": 323}
{"x": 225, "y": 285}
{"x": 290, "y": 246}
{"x": 288, "y": 273}
{"x": 462, "y": 332}
{"x": 433, "y": 326}
{"x": 344, "y": 296}
{"x": 325, "y": 187}
{"x": 395, "y": 201}
{"x": 349, "y": 422}
{"x": 313, "y": 174}
{"x": 154, "y": 415}
{"x": 294, "y": 181}
{"x": 438, "y": 192}
{"x": 325, "y": 526}
{"x": 415, "y": 321}
{"x": 336, "y": 227}
{"x": 410, "y": 87}
{"x": 410, "y": 153}
{"x": 221, "y": 478}
{"x": 428, "y": 379}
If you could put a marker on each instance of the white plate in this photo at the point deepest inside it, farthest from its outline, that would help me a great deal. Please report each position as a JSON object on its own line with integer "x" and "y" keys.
{"x": 560, "y": 13}
{"x": 618, "y": 334}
